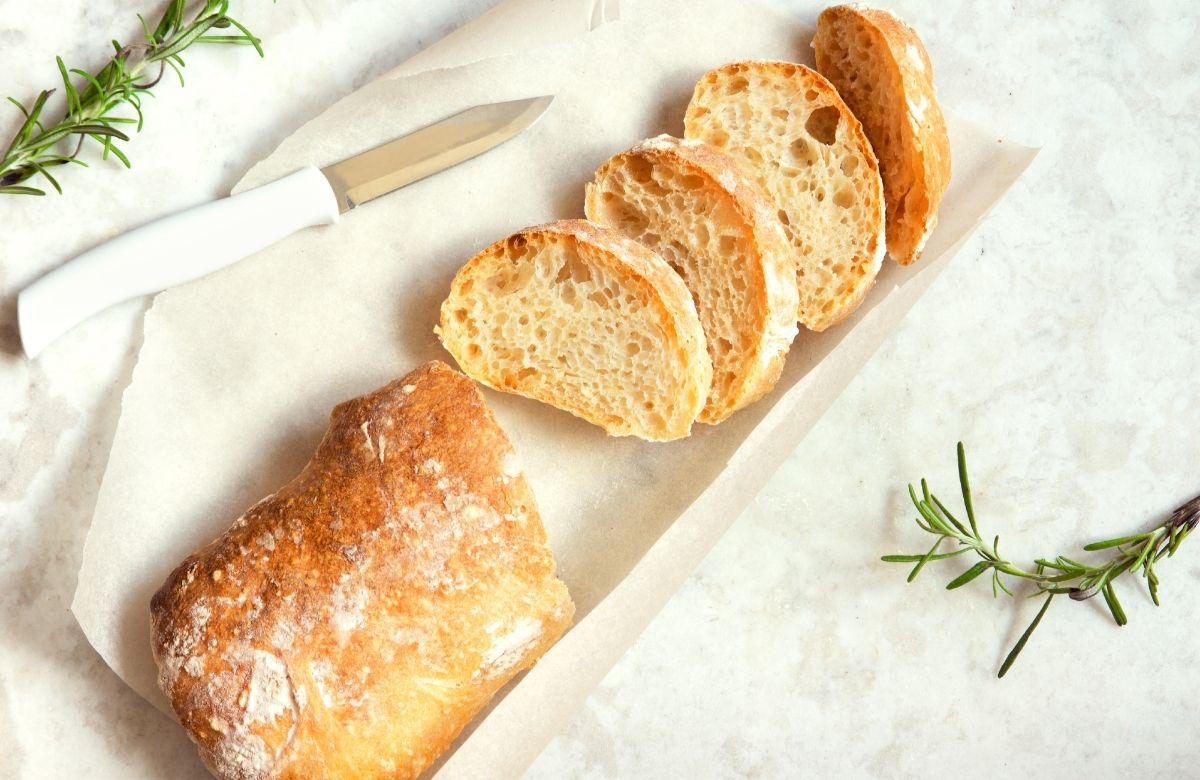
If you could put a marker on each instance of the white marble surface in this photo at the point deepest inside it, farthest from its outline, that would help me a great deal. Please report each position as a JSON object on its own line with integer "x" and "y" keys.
{"x": 1060, "y": 346}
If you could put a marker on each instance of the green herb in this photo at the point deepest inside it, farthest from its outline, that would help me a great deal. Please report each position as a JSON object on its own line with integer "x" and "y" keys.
{"x": 91, "y": 103}
{"x": 1138, "y": 553}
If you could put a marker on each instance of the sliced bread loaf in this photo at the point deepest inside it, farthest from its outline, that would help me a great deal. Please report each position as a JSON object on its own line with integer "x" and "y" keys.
{"x": 794, "y": 134}
{"x": 881, "y": 69}
{"x": 692, "y": 205}
{"x": 580, "y": 317}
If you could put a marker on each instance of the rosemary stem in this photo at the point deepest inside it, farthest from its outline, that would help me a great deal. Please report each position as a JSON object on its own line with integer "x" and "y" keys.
{"x": 121, "y": 82}
{"x": 1137, "y": 553}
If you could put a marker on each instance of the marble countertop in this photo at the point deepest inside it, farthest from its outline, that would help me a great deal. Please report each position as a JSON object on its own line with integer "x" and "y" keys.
{"x": 1061, "y": 345}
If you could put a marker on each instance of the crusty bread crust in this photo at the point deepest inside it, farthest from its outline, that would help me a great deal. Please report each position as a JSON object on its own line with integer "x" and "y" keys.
{"x": 924, "y": 146}
{"x": 678, "y": 336}
{"x": 766, "y": 317}
{"x": 350, "y": 625}
{"x": 830, "y": 287}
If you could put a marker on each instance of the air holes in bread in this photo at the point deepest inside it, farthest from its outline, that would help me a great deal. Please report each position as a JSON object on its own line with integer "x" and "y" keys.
{"x": 815, "y": 163}
{"x": 588, "y": 295}
{"x": 712, "y": 224}
{"x": 822, "y": 124}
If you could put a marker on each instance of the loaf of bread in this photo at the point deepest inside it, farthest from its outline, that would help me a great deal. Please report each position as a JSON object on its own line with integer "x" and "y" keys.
{"x": 881, "y": 69}
{"x": 794, "y": 134}
{"x": 580, "y": 317}
{"x": 692, "y": 204}
{"x": 351, "y": 624}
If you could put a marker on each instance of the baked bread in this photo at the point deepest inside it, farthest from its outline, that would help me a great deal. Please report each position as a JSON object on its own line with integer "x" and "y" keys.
{"x": 583, "y": 318}
{"x": 692, "y": 204}
{"x": 882, "y": 71}
{"x": 351, "y": 624}
{"x": 794, "y": 134}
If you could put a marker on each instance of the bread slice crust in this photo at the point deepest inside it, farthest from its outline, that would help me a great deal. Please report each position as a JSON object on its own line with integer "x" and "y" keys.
{"x": 564, "y": 284}
{"x": 693, "y": 205}
{"x": 352, "y": 623}
{"x": 894, "y": 96}
{"x": 794, "y": 135}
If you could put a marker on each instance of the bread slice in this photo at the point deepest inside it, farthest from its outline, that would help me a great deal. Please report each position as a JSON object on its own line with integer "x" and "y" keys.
{"x": 794, "y": 134}
{"x": 881, "y": 69}
{"x": 582, "y": 318}
{"x": 351, "y": 624}
{"x": 692, "y": 204}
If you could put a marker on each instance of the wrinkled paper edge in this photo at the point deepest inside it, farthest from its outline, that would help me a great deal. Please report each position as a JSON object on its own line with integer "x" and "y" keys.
{"x": 491, "y": 35}
{"x": 505, "y": 30}
{"x": 519, "y": 726}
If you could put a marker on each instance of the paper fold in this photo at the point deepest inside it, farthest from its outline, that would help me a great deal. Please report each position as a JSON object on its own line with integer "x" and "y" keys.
{"x": 239, "y": 370}
{"x": 510, "y": 28}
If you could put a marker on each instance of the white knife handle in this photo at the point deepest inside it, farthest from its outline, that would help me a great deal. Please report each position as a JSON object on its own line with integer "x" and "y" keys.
{"x": 170, "y": 251}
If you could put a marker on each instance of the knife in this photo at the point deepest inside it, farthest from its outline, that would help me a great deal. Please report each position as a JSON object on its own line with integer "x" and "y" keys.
{"x": 213, "y": 235}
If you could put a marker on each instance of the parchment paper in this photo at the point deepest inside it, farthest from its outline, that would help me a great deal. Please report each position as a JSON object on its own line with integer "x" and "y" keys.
{"x": 238, "y": 372}
{"x": 512, "y": 27}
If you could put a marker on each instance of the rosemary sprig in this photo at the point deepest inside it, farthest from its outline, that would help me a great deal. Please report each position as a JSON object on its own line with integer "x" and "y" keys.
{"x": 1138, "y": 553}
{"x": 133, "y": 70}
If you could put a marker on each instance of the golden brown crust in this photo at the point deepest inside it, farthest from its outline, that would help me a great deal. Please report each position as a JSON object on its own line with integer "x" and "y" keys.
{"x": 634, "y": 265}
{"x": 816, "y": 312}
{"x": 927, "y": 143}
{"x": 351, "y": 624}
{"x": 772, "y": 323}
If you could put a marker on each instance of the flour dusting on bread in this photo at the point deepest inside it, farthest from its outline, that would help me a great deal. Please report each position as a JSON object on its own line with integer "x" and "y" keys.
{"x": 358, "y": 602}
{"x": 510, "y": 646}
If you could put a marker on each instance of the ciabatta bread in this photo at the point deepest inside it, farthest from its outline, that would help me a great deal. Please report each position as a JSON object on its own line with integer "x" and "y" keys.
{"x": 351, "y": 624}
{"x": 794, "y": 134}
{"x": 580, "y": 317}
{"x": 882, "y": 70}
{"x": 692, "y": 204}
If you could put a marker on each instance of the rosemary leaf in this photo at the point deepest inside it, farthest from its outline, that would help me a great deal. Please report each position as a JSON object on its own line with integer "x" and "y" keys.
{"x": 130, "y": 73}
{"x": 54, "y": 182}
{"x": 72, "y": 95}
{"x": 969, "y": 575}
{"x": 1150, "y": 546}
{"x": 946, "y": 513}
{"x": 966, "y": 490}
{"x": 1020, "y": 645}
{"x": 915, "y": 558}
{"x": 1112, "y": 542}
{"x": 925, "y": 559}
{"x": 1136, "y": 553}
{"x": 1114, "y": 604}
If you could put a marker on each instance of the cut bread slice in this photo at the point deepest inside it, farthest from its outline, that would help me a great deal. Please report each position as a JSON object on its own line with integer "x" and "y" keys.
{"x": 794, "y": 135}
{"x": 881, "y": 69}
{"x": 692, "y": 204}
{"x": 580, "y": 317}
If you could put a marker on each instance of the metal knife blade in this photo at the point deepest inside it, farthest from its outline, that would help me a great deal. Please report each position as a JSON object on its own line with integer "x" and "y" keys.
{"x": 216, "y": 234}
{"x": 427, "y": 151}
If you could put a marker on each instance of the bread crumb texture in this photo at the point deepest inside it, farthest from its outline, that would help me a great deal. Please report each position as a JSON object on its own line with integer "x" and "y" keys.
{"x": 882, "y": 70}
{"x": 581, "y": 317}
{"x": 692, "y": 205}
{"x": 792, "y": 134}
{"x": 354, "y": 622}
